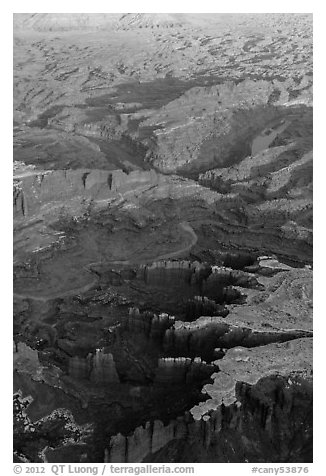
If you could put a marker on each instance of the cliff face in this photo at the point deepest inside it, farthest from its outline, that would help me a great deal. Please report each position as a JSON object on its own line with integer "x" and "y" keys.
{"x": 50, "y": 188}
{"x": 274, "y": 225}
{"x": 181, "y": 370}
{"x": 103, "y": 368}
{"x": 202, "y": 306}
{"x": 163, "y": 237}
{"x": 258, "y": 426}
{"x": 151, "y": 325}
{"x": 195, "y": 274}
{"x": 202, "y": 336}
{"x": 224, "y": 278}
{"x": 99, "y": 368}
{"x": 174, "y": 272}
{"x": 261, "y": 414}
{"x": 19, "y": 203}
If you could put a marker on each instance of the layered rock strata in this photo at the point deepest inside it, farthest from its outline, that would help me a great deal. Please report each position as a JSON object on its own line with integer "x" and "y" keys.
{"x": 181, "y": 370}
{"x": 153, "y": 326}
{"x": 202, "y": 336}
{"x": 99, "y": 368}
{"x": 244, "y": 402}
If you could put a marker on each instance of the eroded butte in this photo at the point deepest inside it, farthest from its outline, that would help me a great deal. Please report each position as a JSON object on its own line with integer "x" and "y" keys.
{"x": 163, "y": 238}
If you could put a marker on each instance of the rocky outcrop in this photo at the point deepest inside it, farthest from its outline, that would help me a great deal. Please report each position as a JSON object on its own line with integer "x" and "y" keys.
{"x": 144, "y": 441}
{"x": 161, "y": 272}
{"x": 202, "y": 306}
{"x": 261, "y": 410}
{"x": 207, "y": 437}
{"x": 181, "y": 370}
{"x": 214, "y": 282}
{"x": 151, "y": 325}
{"x": 218, "y": 285}
{"x": 267, "y": 266}
{"x": 190, "y": 136}
{"x": 103, "y": 368}
{"x": 76, "y": 120}
{"x": 20, "y": 206}
{"x": 67, "y": 187}
{"x": 98, "y": 368}
{"x": 201, "y": 337}
{"x": 250, "y": 365}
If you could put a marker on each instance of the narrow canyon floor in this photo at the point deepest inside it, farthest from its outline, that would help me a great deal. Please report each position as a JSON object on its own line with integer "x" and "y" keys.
{"x": 162, "y": 195}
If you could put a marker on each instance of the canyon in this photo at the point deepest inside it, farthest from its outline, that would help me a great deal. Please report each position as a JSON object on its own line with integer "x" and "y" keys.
{"x": 163, "y": 238}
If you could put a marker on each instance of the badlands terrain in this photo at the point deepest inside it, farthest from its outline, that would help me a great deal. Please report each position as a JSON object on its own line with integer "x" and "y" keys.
{"x": 162, "y": 237}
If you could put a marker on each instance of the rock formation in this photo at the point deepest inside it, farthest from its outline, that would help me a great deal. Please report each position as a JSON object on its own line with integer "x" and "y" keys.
{"x": 151, "y": 325}
{"x": 98, "y": 368}
{"x": 181, "y": 370}
{"x": 56, "y": 187}
{"x": 103, "y": 368}
{"x": 202, "y": 336}
{"x": 242, "y": 403}
{"x": 202, "y": 306}
{"x": 162, "y": 204}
